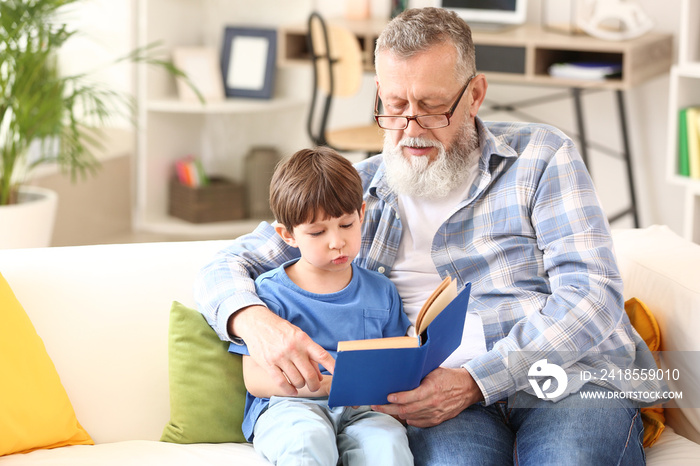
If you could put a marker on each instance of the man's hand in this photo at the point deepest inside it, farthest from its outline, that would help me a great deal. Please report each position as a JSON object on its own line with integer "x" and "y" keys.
{"x": 287, "y": 353}
{"x": 442, "y": 395}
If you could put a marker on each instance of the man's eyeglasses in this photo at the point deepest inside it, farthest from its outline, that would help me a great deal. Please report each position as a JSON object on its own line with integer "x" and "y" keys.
{"x": 427, "y": 121}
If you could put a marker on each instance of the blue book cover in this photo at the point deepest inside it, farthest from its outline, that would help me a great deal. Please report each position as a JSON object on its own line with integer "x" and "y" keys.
{"x": 368, "y": 376}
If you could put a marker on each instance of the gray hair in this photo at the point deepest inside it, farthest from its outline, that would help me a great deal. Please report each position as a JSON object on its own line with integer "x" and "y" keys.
{"x": 418, "y": 29}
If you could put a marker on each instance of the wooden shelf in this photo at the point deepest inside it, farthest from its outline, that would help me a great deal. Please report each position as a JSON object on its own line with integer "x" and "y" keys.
{"x": 165, "y": 224}
{"x": 520, "y": 55}
{"x": 689, "y": 70}
{"x": 691, "y": 184}
{"x": 228, "y": 106}
{"x": 293, "y": 48}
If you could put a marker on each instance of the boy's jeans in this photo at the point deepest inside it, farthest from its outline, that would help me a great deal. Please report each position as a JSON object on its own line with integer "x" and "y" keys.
{"x": 541, "y": 433}
{"x": 305, "y": 431}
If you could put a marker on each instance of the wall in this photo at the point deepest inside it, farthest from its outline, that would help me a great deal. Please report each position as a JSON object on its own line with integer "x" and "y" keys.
{"x": 96, "y": 209}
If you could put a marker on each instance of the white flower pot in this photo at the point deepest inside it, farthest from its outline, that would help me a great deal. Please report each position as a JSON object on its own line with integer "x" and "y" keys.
{"x": 29, "y": 223}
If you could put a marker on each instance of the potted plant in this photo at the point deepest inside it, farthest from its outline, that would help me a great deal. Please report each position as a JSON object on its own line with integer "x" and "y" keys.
{"x": 57, "y": 116}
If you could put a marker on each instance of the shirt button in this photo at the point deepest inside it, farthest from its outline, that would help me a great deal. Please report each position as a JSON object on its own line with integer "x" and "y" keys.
{"x": 381, "y": 270}
{"x": 398, "y": 216}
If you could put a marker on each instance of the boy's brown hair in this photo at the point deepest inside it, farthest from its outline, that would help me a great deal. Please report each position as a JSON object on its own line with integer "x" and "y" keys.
{"x": 312, "y": 181}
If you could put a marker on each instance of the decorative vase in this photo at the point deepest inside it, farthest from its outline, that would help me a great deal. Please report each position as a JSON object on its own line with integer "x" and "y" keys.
{"x": 28, "y": 223}
{"x": 260, "y": 165}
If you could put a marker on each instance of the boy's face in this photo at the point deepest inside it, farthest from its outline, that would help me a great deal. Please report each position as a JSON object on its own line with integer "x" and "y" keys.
{"x": 327, "y": 244}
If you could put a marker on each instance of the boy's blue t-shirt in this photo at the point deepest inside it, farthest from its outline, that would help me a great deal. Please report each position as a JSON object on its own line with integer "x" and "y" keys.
{"x": 369, "y": 307}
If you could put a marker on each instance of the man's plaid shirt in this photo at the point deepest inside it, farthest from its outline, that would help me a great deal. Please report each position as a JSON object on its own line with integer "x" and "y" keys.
{"x": 532, "y": 239}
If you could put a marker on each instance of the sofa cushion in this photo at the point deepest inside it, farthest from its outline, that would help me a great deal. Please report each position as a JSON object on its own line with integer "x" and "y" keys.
{"x": 207, "y": 393}
{"x": 35, "y": 411}
{"x": 672, "y": 450}
{"x": 142, "y": 453}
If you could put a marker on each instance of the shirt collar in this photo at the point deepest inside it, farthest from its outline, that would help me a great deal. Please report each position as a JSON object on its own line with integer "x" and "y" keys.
{"x": 493, "y": 145}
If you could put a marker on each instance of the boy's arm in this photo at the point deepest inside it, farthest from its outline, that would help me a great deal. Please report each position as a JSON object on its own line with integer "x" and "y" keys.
{"x": 259, "y": 383}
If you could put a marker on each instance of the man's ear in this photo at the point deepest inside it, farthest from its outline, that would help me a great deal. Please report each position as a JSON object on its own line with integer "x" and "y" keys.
{"x": 477, "y": 94}
{"x": 286, "y": 235}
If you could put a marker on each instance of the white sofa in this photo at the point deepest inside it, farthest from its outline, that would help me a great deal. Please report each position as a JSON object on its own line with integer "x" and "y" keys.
{"x": 103, "y": 313}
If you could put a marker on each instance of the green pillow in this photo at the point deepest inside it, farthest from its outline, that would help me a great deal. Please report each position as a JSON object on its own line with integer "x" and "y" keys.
{"x": 207, "y": 393}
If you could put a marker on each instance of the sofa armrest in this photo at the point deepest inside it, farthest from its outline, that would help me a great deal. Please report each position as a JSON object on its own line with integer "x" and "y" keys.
{"x": 663, "y": 270}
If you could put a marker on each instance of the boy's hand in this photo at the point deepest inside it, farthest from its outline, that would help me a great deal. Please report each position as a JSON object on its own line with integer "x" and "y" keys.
{"x": 324, "y": 390}
{"x": 287, "y": 353}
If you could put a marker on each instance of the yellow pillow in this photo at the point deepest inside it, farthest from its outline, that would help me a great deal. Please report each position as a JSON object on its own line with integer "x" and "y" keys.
{"x": 645, "y": 324}
{"x": 35, "y": 411}
{"x": 653, "y": 419}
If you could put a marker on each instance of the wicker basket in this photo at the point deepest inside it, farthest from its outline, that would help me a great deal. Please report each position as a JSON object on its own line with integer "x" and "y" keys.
{"x": 221, "y": 200}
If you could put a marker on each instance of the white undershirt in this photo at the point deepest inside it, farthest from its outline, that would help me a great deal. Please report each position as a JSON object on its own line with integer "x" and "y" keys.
{"x": 414, "y": 272}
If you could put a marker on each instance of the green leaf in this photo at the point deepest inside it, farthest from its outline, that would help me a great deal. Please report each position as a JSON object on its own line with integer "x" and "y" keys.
{"x": 38, "y": 104}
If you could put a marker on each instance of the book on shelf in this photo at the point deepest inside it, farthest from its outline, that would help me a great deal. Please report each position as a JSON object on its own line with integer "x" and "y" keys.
{"x": 683, "y": 162}
{"x": 692, "y": 119}
{"x": 190, "y": 172}
{"x": 367, "y": 371}
{"x": 588, "y": 70}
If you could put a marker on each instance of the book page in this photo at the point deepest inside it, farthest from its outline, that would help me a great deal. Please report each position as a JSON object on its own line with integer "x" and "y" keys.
{"x": 379, "y": 343}
{"x": 436, "y": 302}
{"x": 441, "y": 297}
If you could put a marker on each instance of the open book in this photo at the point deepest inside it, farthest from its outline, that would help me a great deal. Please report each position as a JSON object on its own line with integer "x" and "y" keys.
{"x": 436, "y": 302}
{"x": 367, "y": 371}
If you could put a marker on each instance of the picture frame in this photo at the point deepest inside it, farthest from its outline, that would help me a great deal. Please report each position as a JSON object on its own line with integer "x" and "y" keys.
{"x": 201, "y": 66}
{"x": 248, "y": 62}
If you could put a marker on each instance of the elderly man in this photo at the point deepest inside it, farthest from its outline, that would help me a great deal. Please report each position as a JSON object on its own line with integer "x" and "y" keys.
{"x": 509, "y": 207}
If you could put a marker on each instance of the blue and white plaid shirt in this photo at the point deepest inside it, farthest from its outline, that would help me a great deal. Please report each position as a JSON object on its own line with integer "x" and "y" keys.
{"x": 532, "y": 239}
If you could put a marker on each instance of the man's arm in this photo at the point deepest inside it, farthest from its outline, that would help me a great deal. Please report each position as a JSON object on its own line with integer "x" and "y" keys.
{"x": 258, "y": 382}
{"x": 225, "y": 295}
{"x": 290, "y": 358}
{"x": 585, "y": 303}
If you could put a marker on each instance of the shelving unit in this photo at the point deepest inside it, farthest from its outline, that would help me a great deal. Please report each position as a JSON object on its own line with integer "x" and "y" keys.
{"x": 521, "y": 55}
{"x": 685, "y": 91}
{"x": 295, "y": 51}
{"x": 221, "y": 133}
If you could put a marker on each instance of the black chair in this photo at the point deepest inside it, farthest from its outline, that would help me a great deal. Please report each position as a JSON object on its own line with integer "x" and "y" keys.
{"x": 337, "y": 65}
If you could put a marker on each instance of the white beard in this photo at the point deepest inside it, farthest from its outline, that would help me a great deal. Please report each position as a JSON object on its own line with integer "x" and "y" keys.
{"x": 417, "y": 176}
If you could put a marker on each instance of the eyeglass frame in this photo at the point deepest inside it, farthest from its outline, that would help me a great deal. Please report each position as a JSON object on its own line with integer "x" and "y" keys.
{"x": 408, "y": 118}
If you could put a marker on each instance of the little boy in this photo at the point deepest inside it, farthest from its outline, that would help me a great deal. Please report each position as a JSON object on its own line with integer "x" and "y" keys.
{"x": 316, "y": 197}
